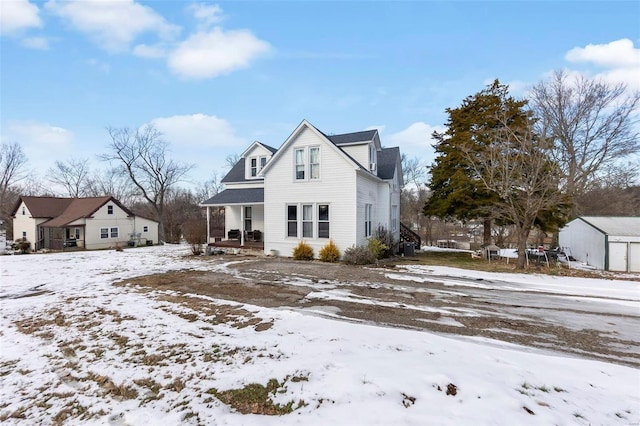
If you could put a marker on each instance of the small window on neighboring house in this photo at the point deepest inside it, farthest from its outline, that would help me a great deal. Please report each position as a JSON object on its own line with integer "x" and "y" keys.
{"x": 114, "y": 232}
{"x": 24, "y": 234}
{"x": 367, "y": 219}
{"x": 292, "y": 221}
{"x": 145, "y": 229}
{"x": 77, "y": 233}
{"x": 104, "y": 233}
{"x": 299, "y": 153}
{"x": 323, "y": 221}
{"x": 109, "y": 209}
{"x": 24, "y": 211}
{"x": 254, "y": 167}
{"x": 314, "y": 163}
{"x": 307, "y": 221}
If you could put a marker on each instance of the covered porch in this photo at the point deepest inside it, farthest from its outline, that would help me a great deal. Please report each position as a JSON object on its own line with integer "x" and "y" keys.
{"x": 243, "y": 218}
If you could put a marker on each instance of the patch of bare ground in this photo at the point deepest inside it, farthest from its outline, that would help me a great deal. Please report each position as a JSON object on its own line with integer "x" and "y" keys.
{"x": 376, "y": 298}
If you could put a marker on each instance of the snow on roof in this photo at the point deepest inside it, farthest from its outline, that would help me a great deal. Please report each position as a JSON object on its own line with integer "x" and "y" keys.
{"x": 612, "y": 225}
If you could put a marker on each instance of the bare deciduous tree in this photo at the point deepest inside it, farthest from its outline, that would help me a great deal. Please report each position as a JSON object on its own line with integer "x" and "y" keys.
{"x": 414, "y": 195}
{"x": 113, "y": 182}
{"x": 519, "y": 169}
{"x": 143, "y": 156}
{"x": 590, "y": 122}
{"x": 12, "y": 160}
{"x": 73, "y": 175}
{"x": 231, "y": 160}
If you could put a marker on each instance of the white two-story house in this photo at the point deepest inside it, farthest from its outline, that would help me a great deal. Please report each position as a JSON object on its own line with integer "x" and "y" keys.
{"x": 314, "y": 188}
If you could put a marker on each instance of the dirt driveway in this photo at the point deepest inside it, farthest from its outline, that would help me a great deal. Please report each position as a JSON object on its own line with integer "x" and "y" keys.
{"x": 390, "y": 296}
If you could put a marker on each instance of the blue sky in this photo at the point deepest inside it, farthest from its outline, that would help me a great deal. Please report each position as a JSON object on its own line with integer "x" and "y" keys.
{"x": 213, "y": 77}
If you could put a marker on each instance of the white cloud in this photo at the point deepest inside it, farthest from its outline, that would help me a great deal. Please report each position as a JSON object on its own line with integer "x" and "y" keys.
{"x": 40, "y": 43}
{"x": 206, "y": 14}
{"x": 619, "y": 59}
{"x": 197, "y": 130}
{"x": 415, "y": 141}
{"x": 619, "y": 53}
{"x": 42, "y": 143}
{"x": 112, "y": 24}
{"x": 149, "y": 52}
{"x": 217, "y": 52}
{"x": 17, "y": 15}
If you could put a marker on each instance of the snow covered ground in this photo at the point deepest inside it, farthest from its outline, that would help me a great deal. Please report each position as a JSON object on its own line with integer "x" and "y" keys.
{"x": 77, "y": 349}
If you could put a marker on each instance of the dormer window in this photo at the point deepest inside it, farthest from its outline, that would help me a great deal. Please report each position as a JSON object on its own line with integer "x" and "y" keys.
{"x": 256, "y": 164}
{"x": 373, "y": 158}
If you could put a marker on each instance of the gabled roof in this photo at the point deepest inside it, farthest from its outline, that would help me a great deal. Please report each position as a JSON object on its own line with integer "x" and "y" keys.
{"x": 349, "y": 138}
{"x": 236, "y": 196}
{"x": 388, "y": 160}
{"x": 305, "y": 124}
{"x": 267, "y": 147}
{"x": 62, "y": 211}
{"x": 615, "y": 225}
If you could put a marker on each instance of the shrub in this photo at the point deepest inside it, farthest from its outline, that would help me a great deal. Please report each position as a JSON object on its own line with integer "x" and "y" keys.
{"x": 23, "y": 245}
{"x": 379, "y": 249}
{"x": 330, "y": 252}
{"x": 303, "y": 251}
{"x": 359, "y": 255}
{"x": 195, "y": 232}
{"x": 386, "y": 237}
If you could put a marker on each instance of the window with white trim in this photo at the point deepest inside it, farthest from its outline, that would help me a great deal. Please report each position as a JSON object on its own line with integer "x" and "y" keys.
{"x": 367, "y": 219}
{"x": 323, "y": 221}
{"x": 104, "y": 233}
{"x": 299, "y": 159}
{"x": 307, "y": 221}
{"x": 109, "y": 209}
{"x": 254, "y": 167}
{"x": 24, "y": 234}
{"x": 247, "y": 219}
{"x": 292, "y": 221}
{"x": 76, "y": 233}
{"x": 145, "y": 228}
{"x": 24, "y": 211}
{"x": 263, "y": 162}
{"x": 314, "y": 162}
{"x": 114, "y": 231}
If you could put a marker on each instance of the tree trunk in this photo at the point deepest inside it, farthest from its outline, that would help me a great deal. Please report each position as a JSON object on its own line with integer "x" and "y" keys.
{"x": 486, "y": 236}
{"x": 522, "y": 233}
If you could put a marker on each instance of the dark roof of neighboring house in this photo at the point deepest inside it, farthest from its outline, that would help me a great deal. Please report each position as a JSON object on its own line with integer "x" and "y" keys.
{"x": 236, "y": 196}
{"x": 347, "y": 138}
{"x": 62, "y": 211}
{"x": 387, "y": 160}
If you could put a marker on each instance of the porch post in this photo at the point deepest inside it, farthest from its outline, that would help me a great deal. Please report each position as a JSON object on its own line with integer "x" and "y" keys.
{"x": 208, "y": 225}
{"x": 242, "y": 225}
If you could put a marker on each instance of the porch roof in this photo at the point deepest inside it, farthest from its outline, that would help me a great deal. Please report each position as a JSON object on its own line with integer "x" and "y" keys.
{"x": 236, "y": 196}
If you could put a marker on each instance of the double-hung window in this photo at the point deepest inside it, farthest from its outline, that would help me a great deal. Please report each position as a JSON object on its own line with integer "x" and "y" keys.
{"x": 307, "y": 221}
{"x": 109, "y": 209}
{"x": 367, "y": 219}
{"x": 314, "y": 162}
{"x": 114, "y": 232}
{"x": 323, "y": 221}
{"x": 292, "y": 221}
{"x": 299, "y": 153}
{"x": 104, "y": 233}
{"x": 263, "y": 162}
{"x": 394, "y": 218}
{"x": 254, "y": 167}
{"x": 247, "y": 219}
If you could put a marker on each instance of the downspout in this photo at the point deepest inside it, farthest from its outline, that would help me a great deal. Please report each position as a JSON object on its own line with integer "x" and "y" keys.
{"x": 208, "y": 225}
{"x": 606, "y": 252}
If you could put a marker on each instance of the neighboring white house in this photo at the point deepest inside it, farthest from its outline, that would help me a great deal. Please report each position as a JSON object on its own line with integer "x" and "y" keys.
{"x": 315, "y": 187}
{"x": 608, "y": 243}
{"x": 92, "y": 223}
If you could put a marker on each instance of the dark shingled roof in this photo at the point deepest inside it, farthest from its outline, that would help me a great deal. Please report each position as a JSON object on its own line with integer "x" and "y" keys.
{"x": 347, "y": 138}
{"x": 236, "y": 174}
{"x": 236, "y": 196}
{"x": 387, "y": 160}
{"x": 270, "y": 148}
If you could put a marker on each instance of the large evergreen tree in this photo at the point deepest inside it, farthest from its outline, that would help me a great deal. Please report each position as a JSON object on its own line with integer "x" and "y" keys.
{"x": 456, "y": 190}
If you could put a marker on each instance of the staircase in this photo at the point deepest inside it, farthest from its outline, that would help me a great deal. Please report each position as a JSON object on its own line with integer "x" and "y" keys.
{"x": 408, "y": 236}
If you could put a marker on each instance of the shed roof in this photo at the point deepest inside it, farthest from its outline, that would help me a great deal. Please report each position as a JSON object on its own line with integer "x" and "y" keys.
{"x": 615, "y": 225}
{"x": 236, "y": 196}
{"x": 388, "y": 158}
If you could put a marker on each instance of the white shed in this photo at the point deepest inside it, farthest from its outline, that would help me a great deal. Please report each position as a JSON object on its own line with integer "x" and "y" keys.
{"x": 608, "y": 243}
